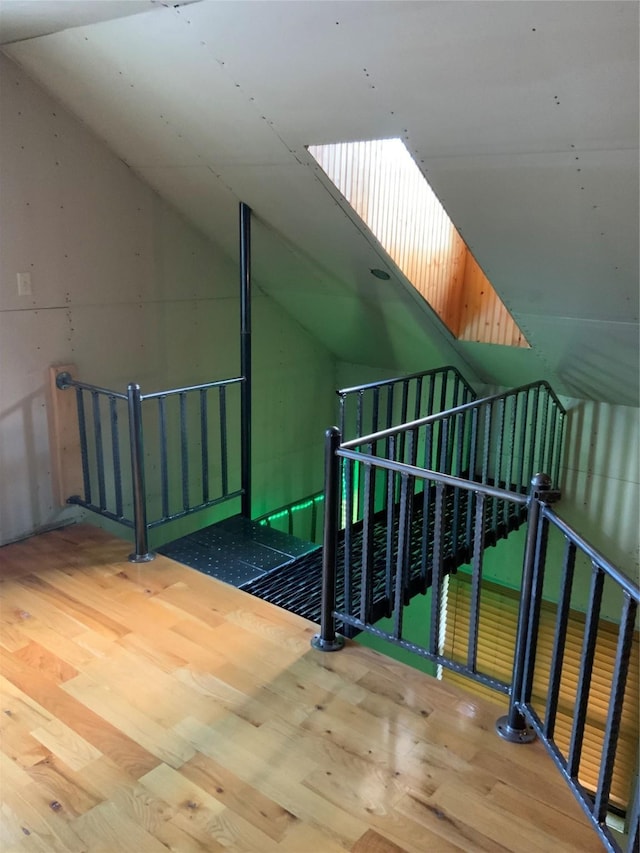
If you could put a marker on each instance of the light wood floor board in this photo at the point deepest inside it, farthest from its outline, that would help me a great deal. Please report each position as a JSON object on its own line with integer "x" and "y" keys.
{"x": 151, "y": 708}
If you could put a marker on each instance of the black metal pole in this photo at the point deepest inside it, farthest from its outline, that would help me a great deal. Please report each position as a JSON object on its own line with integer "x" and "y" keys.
{"x": 134, "y": 405}
{"x": 513, "y": 726}
{"x": 327, "y": 640}
{"x": 245, "y": 357}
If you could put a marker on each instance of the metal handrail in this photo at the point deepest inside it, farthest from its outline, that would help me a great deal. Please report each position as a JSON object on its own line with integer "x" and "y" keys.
{"x": 202, "y": 387}
{"x": 389, "y": 401}
{"x": 398, "y": 379}
{"x": 629, "y": 586}
{"x": 450, "y": 413}
{"x": 64, "y": 381}
{"x": 432, "y": 476}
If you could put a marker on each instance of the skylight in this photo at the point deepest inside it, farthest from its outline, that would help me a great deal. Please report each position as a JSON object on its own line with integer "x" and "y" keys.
{"x": 383, "y": 184}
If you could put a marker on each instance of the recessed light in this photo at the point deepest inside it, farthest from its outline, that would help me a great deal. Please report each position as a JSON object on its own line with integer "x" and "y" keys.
{"x": 380, "y": 274}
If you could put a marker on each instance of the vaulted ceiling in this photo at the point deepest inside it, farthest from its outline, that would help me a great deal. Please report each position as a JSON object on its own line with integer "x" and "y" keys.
{"x": 523, "y": 116}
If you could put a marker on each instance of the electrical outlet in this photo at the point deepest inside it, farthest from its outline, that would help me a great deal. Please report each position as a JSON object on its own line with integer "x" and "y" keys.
{"x": 24, "y": 283}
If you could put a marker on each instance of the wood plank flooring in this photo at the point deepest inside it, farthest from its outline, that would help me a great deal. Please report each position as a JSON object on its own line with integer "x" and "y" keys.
{"x": 150, "y": 708}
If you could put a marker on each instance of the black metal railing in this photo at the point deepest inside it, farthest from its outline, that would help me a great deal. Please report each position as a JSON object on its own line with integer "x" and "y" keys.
{"x": 538, "y": 714}
{"x": 178, "y": 454}
{"x": 413, "y": 494}
{"x": 501, "y": 440}
{"x": 405, "y": 551}
{"x": 382, "y": 405}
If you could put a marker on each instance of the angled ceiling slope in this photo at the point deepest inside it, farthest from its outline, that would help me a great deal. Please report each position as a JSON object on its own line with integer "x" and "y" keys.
{"x": 523, "y": 116}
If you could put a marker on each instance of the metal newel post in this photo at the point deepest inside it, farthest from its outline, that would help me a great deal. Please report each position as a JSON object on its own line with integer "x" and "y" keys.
{"x": 513, "y": 727}
{"x": 134, "y": 405}
{"x": 327, "y": 640}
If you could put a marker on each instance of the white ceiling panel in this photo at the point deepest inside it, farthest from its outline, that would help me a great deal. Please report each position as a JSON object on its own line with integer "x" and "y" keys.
{"x": 524, "y": 117}
{"x": 27, "y": 19}
{"x": 593, "y": 360}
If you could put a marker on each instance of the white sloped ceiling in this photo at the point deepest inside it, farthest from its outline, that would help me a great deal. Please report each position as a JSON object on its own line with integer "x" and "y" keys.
{"x": 523, "y": 116}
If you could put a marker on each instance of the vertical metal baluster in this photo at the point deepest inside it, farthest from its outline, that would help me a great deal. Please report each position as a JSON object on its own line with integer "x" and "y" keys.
{"x": 84, "y": 452}
{"x": 390, "y": 395}
{"x": 348, "y": 469}
{"x": 342, "y": 414}
{"x": 511, "y": 450}
{"x": 375, "y": 419}
{"x": 136, "y": 443}
{"x": 164, "y": 468}
{"x": 486, "y": 445}
{"x": 430, "y": 397}
{"x": 359, "y": 404}
{"x": 115, "y": 452}
{"x": 536, "y": 602}
{"x": 473, "y": 443}
{"x": 425, "y": 538}
{"x": 498, "y": 464}
{"x": 375, "y": 410}
{"x": 616, "y": 701}
{"x": 523, "y": 443}
{"x": 289, "y": 521}
{"x": 366, "y": 592}
{"x": 444, "y": 466}
{"x": 204, "y": 443}
{"x": 552, "y": 435}
{"x": 224, "y": 455}
{"x": 388, "y": 586}
{"x": 558, "y": 459}
{"x": 586, "y": 669}
{"x": 358, "y": 433}
{"x": 389, "y": 424}
{"x": 443, "y": 393}
{"x": 456, "y": 390}
{"x": 560, "y": 638}
{"x": 404, "y": 408}
{"x": 184, "y": 450}
{"x": 426, "y": 505}
{"x": 441, "y": 444}
{"x": 327, "y": 640}
{"x": 458, "y": 436}
{"x": 411, "y": 450}
{"x": 417, "y": 412}
{"x": 476, "y": 580}
{"x": 401, "y": 560}
{"x": 544, "y": 463}
{"x": 97, "y": 433}
{"x": 533, "y": 435}
{"x": 436, "y": 569}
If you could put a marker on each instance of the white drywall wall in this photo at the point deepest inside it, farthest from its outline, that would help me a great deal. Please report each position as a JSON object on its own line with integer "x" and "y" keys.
{"x": 129, "y": 291}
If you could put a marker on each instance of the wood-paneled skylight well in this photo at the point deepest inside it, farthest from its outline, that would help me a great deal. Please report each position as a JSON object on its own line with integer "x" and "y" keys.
{"x": 383, "y": 184}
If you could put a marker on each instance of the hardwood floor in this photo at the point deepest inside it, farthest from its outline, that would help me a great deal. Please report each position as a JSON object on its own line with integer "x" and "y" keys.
{"x": 150, "y": 708}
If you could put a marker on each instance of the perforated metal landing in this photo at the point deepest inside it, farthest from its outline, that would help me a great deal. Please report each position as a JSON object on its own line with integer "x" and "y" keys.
{"x": 237, "y": 551}
{"x": 288, "y": 572}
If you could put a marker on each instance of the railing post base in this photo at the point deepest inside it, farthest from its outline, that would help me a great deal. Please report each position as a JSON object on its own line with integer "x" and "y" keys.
{"x": 142, "y": 558}
{"x": 514, "y": 734}
{"x": 327, "y": 645}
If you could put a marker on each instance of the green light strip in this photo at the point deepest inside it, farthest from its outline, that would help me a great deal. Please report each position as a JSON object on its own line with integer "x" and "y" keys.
{"x": 305, "y": 504}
